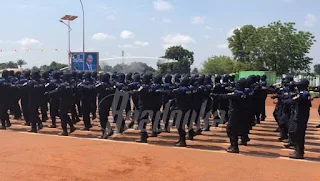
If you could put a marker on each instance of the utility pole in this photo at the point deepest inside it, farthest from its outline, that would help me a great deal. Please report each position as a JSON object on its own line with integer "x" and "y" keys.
{"x": 68, "y": 18}
{"x": 83, "y": 45}
{"x": 124, "y": 68}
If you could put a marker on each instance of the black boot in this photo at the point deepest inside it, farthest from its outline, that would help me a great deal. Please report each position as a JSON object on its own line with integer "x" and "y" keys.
{"x": 154, "y": 134}
{"x": 45, "y": 119}
{"x": 285, "y": 141}
{"x": 53, "y": 126}
{"x": 318, "y": 126}
{"x": 8, "y": 124}
{"x": 297, "y": 154}
{"x": 199, "y": 132}
{"x": 207, "y": 128}
{"x": 77, "y": 120}
{"x": 34, "y": 130}
{"x": 26, "y": 124}
{"x": 131, "y": 125}
{"x": 191, "y": 134}
{"x": 64, "y": 133}
{"x": 289, "y": 145}
{"x": 110, "y": 133}
{"x": 181, "y": 142}
{"x": 166, "y": 128}
{"x": 72, "y": 129}
{"x": 85, "y": 129}
{"x": 243, "y": 142}
{"x": 103, "y": 135}
{"x": 281, "y": 139}
{"x": 122, "y": 128}
{"x": 233, "y": 149}
{"x": 40, "y": 126}
{"x": 216, "y": 124}
{"x": 143, "y": 138}
{"x": 3, "y": 125}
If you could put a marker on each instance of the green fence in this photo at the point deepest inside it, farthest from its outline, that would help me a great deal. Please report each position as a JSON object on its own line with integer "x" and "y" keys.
{"x": 271, "y": 76}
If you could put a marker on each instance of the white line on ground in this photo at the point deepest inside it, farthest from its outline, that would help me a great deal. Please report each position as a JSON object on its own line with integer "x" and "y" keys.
{"x": 145, "y": 144}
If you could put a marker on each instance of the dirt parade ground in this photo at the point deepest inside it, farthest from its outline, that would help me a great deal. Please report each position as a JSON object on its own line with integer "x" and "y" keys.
{"x": 81, "y": 156}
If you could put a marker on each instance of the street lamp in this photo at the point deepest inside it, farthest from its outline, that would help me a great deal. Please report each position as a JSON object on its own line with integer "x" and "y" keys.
{"x": 83, "y": 48}
{"x": 68, "y": 18}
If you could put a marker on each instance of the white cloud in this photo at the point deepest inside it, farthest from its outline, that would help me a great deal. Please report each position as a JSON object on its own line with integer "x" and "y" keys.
{"x": 141, "y": 43}
{"x": 222, "y": 46}
{"x": 310, "y": 20}
{"x": 177, "y": 39}
{"x": 127, "y": 46}
{"x": 166, "y": 46}
{"x": 161, "y": 5}
{"x": 206, "y": 36}
{"x": 197, "y": 20}
{"x": 125, "y": 34}
{"x": 28, "y": 41}
{"x": 208, "y": 27}
{"x": 152, "y": 18}
{"x": 102, "y": 36}
{"x": 164, "y": 20}
{"x": 136, "y": 44}
{"x": 230, "y": 32}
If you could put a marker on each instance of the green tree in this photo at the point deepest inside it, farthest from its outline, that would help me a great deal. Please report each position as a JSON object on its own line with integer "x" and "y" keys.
{"x": 35, "y": 68}
{"x": 277, "y": 47}
{"x": 105, "y": 67}
{"x": 120, "y": 68}
{"x": 218, "y": 65}
{"x": 140, "y": 68}
{"x": 3, "y": 66}
{"x": 316, "y": 69}
{"x": 285, "y": 49}
{"x": 21, "y": 62}
{"x": 243, "y": 66}
{"x": 195, "y": 71}
{"x": 183, "y": 57}
{"x": 53, "y": 65}
{"x": 12, "y": 64}
{"x": 242, "y": 42}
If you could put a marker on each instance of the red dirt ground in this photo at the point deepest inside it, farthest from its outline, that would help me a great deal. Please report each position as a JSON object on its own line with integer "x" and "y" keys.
{"x": 45, "y": 156}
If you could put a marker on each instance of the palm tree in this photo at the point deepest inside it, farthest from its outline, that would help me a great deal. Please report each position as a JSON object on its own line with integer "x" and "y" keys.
{"x": 21, "y": 62}
{"x": 12, "y": 64}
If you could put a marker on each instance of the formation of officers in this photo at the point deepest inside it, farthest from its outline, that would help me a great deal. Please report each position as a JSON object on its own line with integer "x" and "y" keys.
{"x": 184, "y": 99}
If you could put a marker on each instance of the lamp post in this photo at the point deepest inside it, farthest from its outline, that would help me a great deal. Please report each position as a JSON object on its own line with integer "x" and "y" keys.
{"x": 68, "y": 18}
{"x": 83, "y": 48}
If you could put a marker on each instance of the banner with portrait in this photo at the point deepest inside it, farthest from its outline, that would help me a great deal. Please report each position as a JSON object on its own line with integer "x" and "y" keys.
{"x": 87, "y": 62}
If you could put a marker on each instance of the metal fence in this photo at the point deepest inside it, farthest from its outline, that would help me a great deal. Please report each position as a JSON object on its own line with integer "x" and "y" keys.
{"x": 314, "y": 80}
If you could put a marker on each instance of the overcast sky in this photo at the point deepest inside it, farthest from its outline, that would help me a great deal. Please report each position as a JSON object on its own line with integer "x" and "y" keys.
{"x": 30, "y": 29}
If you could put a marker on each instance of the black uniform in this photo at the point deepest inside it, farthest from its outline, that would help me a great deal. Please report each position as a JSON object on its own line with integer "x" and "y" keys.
{"x": 36, "y": 96}
{"x": 183, "y": 99}
{"x": 236, "y": 114}
{"x": 5, "y": 87}
{"x": 54, "y": 98}
{"x": 105, "y": 92}
{"x": 88, "y": 92}
{"x": 297, "y": 129}
{"x": 64, "y": 92}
